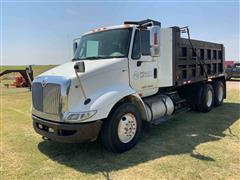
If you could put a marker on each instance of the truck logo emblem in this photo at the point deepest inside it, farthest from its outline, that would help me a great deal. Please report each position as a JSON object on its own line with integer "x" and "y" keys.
{"x": 44, "y": 83}
{"x": 136, "y": 75}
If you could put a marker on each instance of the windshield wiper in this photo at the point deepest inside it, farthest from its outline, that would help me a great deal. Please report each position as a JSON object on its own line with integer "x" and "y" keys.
{"x": 75, "y": 59}
{"x": 95, "y": 57}
{"x": 117, "y": 56}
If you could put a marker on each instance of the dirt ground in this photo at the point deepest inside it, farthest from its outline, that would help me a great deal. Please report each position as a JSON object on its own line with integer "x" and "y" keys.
{"x": 233, "y": 84}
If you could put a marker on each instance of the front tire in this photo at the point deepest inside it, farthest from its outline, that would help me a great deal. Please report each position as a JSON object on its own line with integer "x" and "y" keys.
{"x": 122, "y": 129}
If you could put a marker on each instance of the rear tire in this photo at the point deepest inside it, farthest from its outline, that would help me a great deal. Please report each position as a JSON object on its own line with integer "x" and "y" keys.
{"x": 218, "y": 88}
{"x": 121, "y": 130}
{"x": 205, "y": 98}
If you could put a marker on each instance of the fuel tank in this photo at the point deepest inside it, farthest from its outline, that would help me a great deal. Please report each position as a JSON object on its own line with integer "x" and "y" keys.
{"x": 159, "y": 106}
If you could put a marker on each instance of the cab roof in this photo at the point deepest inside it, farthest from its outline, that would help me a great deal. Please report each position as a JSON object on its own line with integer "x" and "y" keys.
{"x": 111, "y": 27}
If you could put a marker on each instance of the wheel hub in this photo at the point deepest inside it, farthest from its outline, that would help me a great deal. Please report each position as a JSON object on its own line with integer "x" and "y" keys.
{"x": 220, "y": 93}
{"x": 209, "y": 98}
{"x": 127, "y": 128}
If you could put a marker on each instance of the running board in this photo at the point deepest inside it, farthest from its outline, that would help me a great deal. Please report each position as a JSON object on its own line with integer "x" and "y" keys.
{"x": 182, "y": 110}
{"x": 161, "y": 120}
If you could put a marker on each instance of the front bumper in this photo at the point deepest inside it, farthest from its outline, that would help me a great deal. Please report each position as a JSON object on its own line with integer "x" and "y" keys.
{"x": 68, "y": 133}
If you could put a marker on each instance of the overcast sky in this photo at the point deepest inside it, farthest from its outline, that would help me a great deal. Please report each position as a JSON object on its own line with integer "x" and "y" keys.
{"x": 42, "y": 32}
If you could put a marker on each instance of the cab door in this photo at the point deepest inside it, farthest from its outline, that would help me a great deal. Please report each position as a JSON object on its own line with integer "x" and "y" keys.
{"x": 142, "y": 66}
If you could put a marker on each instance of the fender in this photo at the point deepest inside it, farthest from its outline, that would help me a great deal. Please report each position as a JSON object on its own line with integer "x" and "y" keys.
{"x": 105, "y": 99}
{"x": 111, "y": 96}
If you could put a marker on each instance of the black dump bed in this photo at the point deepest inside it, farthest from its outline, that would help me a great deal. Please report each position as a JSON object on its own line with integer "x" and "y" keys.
{"x": 189, "y": 67}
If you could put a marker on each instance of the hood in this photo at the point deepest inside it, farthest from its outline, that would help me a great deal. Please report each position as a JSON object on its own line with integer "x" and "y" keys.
{"x": 101, "y": 77}
{"x": 92, "y": 67}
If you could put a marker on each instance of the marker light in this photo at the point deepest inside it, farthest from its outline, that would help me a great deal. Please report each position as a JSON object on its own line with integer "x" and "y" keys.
{"x": 51, "y": 130}
{"x": 155, "y": 39}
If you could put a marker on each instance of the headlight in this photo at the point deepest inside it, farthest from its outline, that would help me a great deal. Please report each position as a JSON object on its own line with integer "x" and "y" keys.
{"x": 80, "y": 116}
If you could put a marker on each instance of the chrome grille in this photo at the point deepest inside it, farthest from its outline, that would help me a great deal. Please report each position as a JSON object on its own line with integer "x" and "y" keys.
{"x": 46, "y": 99}
{"x": 37, "y": 96}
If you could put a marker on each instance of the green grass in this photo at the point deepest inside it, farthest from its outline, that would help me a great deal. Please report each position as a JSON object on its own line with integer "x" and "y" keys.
{"x": 190, "y": 146}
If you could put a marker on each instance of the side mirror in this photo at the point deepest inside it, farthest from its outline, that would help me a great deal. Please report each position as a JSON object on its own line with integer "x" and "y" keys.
{"x": 155, "y": 41}
{"x": 79, "y": 66}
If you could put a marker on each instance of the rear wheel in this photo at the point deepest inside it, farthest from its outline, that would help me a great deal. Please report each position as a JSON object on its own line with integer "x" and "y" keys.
{"x": 205, "y": 98}
{"x": 121, "y": 130}
{"x": 218, "y": 88}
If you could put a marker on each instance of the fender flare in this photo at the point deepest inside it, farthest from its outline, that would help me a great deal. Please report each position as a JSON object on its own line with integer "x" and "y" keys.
{"x": 107, "y": 101}
{"x": 138, "y": 102}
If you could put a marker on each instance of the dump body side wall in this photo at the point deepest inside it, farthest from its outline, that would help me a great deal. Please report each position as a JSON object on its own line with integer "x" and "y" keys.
{"x": 189, "y": 67}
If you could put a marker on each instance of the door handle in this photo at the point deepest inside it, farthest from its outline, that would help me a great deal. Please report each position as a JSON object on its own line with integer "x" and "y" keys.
{"x": 155, "y": 73}
{"x": 139, "y": 63}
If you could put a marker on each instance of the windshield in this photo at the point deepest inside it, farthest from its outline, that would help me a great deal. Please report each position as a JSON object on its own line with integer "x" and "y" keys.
{"x": 106, "y": 44}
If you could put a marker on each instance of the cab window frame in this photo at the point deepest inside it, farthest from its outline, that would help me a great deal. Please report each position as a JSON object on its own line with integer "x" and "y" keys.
{"x": 136, "y": 33}
{"x": 145, "y": 37}
{"x": 140, "y": 44}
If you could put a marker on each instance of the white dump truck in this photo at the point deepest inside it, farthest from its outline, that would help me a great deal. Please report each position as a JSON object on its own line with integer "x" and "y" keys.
{"x": 122, "y": 76}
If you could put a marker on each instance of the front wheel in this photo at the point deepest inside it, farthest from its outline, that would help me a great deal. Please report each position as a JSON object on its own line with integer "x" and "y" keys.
{"x": 122, "y": 129}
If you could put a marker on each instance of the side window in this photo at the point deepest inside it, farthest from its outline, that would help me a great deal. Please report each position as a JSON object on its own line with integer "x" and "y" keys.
{"x": 82, "y": 50}
{"x": 145, "y": 42}
{"x": 136, "y": 54}
{"x": 92, "y": 48}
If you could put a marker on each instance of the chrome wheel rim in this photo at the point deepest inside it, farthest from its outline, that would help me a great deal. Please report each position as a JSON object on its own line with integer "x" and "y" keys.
{"x": 127, "y": 128}
{"x": 220, "y": 93}
{"x": 209, "y": 98}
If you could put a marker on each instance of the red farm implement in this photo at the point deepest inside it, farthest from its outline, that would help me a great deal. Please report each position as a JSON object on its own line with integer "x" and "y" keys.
{"x": 24, "y": 80}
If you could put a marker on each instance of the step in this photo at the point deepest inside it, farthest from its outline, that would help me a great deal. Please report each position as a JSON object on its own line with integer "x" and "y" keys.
{"x": 182, "y": 110}
{"x": 173, "y": 92}
{"x": 180, "y": 101}
{"x": 160, "y": 120}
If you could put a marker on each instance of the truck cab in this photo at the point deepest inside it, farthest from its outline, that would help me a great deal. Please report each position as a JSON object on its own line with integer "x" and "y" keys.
{"x": 119, "y": 77}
